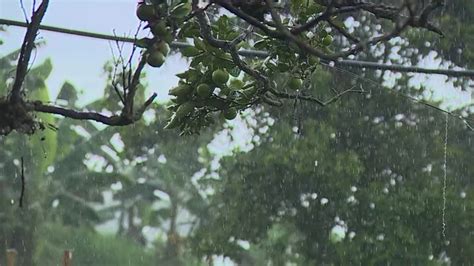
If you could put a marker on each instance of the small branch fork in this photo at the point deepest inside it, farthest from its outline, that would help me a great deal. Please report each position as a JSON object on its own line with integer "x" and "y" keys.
{"x": 268, "y": 92}
{"x": 130, "y": 84}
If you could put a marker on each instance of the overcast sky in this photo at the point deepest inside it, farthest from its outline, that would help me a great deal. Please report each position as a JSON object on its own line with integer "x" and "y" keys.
{"x": 79, "y": 59}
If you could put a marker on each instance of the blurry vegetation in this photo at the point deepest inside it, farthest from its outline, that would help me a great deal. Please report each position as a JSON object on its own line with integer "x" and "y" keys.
{"x": 357, "y": 182}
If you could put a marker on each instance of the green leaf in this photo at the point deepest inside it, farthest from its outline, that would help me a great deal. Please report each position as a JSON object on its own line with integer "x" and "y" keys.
{"x": 143, "y": 42}
{"x": 188, "y": 30}
{"x": 68, "y": 93}
{"x": 190, "y": 51}
{"x": 181, "y": 10}
{"x": 262, "y": 44}
{"x": 199, "y": 44}
{"x": 235, "y": 71}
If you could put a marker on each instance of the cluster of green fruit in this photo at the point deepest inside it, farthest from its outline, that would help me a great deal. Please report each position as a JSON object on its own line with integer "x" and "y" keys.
{"x": 326, "y": 38}
{"x": 295, "y": 83}
{"x": 156, "y": 17}
{"x": 200, "y": 94}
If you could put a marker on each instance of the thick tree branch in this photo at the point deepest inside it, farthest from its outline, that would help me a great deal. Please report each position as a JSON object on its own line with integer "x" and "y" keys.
{"x": 25, "y": 51}
{"x": 114, "y": 120}
{"x": 133, "y": 86}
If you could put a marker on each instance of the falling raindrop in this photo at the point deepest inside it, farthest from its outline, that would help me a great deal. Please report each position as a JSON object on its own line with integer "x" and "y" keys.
{"x": 50, "y": 169}
{"x": 381, "y": 237}
{"x": 445, "y": 175}
{"x": 352, "y": 235}
{"x": 324, "y": 201}
{"x": 392, "y": 182}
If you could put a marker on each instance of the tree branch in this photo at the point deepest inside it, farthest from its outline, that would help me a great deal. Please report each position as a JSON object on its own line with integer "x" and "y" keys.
{"x": 25, "y": 52}
{"x": 114, "y": 120}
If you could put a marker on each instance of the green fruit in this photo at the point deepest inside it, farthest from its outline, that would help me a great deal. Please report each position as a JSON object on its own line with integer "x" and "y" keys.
{"x": 230, "y": 113}
{"x": 295, "y": 83}
{"x": 204, "y": 90}
{"x": 313, "y": 60}
{"x": 162, "y": 47}
{"x": 327, "y": 40}
{"x": 168, "y": 37}
{"x": 145, "y": 12}
{"x": 156, "y": 59}
{"x": 159, "y": 29}
{"x": 323, "y": 33}
{"x": 181, "y": 90}
{"x": 236, "y": 84}
{"x": 220, "y": 76}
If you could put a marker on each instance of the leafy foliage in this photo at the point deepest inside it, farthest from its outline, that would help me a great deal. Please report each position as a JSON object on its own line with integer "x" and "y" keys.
{"x": 357, "y": 182}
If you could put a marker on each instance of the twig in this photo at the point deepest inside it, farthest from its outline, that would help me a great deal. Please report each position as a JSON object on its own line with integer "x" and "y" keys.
{"x": 24, "y": 11}
{"x": 114, "y": 74}
{"x": 249, "y": 19}
{"x": 343, "y": 31}
{"x": 132, "y": 87}
{"x": 22, "y": 176}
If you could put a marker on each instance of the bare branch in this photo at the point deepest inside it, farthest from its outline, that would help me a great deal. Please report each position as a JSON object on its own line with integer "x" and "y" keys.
{"x": 343, "y": 31}
{"x": 249, "y": 19}
{"x": 114, "y": 120}
{"x": 316, "y": 100}
{"x": 133, "y": 86}
{"x": 24, "y": 11}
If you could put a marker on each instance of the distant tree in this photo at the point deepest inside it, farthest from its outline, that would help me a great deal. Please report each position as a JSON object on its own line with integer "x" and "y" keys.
{"x": 376, "y": 172}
